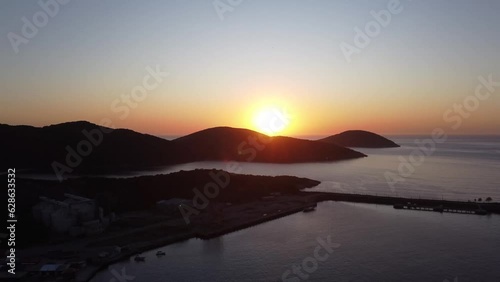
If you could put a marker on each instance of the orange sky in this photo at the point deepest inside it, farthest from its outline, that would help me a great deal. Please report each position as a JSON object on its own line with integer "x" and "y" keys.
{"x": 84, "y": 65}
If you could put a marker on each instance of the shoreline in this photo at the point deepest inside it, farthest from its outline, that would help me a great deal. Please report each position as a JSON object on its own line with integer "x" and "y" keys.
{"x": 247, "y": 215}
{"x": 202, "y": 233}
{"x": 92, "y": 271}
{"x": 314, "y": 198}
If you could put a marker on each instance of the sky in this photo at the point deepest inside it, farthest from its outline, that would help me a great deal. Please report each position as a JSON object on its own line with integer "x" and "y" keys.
{"x": 190, "y": 65}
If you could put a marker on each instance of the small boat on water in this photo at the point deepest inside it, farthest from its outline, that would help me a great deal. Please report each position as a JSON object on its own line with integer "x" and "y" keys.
{"x": 439, "y": 208}
{"x": 160, "y": 253}
{"x": 480, "y": 211}
{"x": 309, "y": 209}
{"x": 139, "y": 258}
{"x": 399, "y": 206}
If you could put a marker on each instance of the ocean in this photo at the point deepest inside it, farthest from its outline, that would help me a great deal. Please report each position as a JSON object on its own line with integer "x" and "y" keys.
{"x": 462, "y": 168}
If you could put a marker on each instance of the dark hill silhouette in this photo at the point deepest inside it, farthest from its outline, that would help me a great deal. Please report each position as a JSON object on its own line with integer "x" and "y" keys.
{"x": 33, "y": 147}
{"x": 38, "y": 148}
{"x": 226, "y": 143}
{"x": 360, "y": 139}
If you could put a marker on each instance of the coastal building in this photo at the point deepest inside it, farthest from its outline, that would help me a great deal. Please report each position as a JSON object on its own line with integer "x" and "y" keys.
{"x": 52, "y": 269}
{"x": 49, "y": 271}
{"x": 74, "y": 215}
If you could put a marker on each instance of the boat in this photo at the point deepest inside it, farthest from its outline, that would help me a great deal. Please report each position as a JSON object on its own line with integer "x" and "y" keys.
{"x": 481, "y": 211}
{"x": 411, "y": 206}
{"x": 139, "y": 258}
{"x": 439, "y": 208}
{"x": 399, "y": 206}
{"x": 160, "y": 253}
{"x": 309, "y": 209}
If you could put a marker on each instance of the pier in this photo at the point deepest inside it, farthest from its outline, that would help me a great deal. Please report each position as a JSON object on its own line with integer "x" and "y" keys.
{"x": 459, "y": 207}
{"x": 441, "y": 209}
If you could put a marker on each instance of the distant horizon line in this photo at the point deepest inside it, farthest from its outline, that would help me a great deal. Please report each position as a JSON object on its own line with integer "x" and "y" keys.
{"x": 319, "y": 136}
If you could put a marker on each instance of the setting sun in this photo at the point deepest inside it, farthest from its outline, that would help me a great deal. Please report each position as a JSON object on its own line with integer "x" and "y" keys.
{"x": 271, "y": 120}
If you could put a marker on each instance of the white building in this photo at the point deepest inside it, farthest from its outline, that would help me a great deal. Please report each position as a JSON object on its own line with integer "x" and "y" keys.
{"x": 75, "y": 215}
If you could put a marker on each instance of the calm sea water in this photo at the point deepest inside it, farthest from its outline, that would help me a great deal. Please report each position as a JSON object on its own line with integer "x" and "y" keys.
{"x": 375, "y": 243}
{"x": 463, "y": 168}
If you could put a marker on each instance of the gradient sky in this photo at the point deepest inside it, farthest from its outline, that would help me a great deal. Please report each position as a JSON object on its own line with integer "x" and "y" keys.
{"x": 283, "y": 54}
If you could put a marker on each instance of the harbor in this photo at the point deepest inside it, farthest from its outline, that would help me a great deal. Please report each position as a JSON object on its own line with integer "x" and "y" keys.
{"x": 224, "y": 219}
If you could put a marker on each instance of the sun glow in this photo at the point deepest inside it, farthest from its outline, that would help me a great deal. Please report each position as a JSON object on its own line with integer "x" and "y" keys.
{"x": 271, "y": 120}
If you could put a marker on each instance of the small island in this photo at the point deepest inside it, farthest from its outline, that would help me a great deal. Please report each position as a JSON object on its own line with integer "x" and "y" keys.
{"x": 360, "y": 139}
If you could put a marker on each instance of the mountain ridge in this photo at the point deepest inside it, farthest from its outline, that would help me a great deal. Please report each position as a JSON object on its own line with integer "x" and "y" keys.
{"x": 82, "y": 145}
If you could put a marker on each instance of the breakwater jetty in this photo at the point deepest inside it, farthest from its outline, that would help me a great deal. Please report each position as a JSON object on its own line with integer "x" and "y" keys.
{"x": 412, "y": 204}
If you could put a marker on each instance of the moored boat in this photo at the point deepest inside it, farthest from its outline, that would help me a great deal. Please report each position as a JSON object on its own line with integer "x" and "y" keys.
{"x": 399, "y": 206}
{"x": 438, "y": 208}
{"x": 480, "y": 211}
